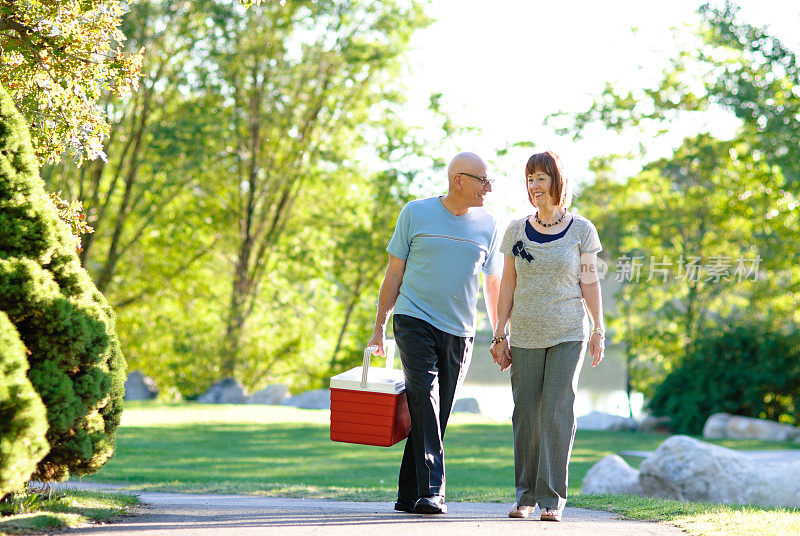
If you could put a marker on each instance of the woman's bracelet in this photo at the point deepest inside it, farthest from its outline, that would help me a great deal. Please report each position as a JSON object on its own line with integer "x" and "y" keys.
{"x": 495, "y": 340}
{"x": 599, "y": 331}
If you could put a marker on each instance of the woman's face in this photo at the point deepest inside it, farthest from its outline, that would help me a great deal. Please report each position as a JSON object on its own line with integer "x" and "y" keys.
{"x": 539, "y": 184}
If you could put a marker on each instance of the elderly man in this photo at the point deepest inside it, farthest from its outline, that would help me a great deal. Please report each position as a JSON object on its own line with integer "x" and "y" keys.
{"x": 438, "y": 247}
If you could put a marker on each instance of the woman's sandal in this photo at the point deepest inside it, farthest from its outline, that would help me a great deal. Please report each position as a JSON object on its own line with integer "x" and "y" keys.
{"x": 550, "y": 514}
{"x": 520, "y": 512}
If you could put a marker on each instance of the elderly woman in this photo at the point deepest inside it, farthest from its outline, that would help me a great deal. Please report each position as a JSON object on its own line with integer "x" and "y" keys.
{"x": 549, "y": 282}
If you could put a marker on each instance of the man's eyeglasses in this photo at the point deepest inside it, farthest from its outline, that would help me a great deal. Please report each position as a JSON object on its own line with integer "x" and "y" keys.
{"x": 485, "y": 181}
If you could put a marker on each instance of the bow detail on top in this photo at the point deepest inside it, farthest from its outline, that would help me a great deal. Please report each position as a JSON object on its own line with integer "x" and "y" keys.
{"x": 519, "y": 250}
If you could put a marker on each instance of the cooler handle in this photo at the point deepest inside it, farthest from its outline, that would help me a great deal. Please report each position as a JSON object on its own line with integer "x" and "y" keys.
{"x": 389, "y": 347}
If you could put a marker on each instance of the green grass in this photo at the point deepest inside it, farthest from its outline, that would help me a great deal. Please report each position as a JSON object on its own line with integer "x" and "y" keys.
{"x": 279, "y": 451}
{"x": 702, "y": 519}
{"x": 36, "y": 512}
{"x": 282, "y": 451}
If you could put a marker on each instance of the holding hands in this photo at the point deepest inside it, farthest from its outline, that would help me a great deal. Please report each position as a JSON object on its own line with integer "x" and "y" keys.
{"x": 501, "y": 352}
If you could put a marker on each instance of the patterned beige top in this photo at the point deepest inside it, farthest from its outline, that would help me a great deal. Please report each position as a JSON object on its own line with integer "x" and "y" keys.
{"x": 548, "y": 303}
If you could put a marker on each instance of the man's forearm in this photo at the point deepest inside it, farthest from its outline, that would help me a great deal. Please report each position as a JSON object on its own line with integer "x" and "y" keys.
{"x": 505, "y": 302}
{"x": 505, "y": 299}
{"x": 387, "y": 296}
{"x": 491, "y": 291}
{"x": 386, "y": 300}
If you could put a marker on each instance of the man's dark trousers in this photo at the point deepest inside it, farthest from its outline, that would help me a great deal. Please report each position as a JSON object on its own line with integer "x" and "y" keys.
{"x": 434, "y": 363}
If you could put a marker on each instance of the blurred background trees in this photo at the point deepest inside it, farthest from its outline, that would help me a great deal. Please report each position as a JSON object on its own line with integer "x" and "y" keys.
{"x": 706, "y": 240}
{"x": 250, "y": 179}
{"x": 250, "y": 185}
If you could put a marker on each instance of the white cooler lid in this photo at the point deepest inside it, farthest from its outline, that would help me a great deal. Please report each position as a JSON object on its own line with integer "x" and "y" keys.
{"x": 379, "y": 380}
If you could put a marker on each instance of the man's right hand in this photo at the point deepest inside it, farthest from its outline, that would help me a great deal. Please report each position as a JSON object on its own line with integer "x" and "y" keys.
{"x": 377, "y": 342}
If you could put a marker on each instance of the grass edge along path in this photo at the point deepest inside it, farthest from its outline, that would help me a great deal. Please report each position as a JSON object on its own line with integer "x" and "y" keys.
{"x": 34, "y": 512}
{"x": 699, "y": 519}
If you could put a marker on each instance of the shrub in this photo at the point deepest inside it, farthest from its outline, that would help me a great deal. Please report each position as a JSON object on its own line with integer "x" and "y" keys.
{"x": 745, "y": 370}
{"x": 23, "y": 421}
{"x": 67, "y": 326}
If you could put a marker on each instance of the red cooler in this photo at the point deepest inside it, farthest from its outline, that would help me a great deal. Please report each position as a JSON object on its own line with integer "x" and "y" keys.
{"x": 368, "y": 404}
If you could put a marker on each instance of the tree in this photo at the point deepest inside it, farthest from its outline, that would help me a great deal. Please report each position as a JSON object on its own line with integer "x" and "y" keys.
{"x": 56, "y": 60}
{"x": 300, "y": 87}
{"x": 735, "y": 65}
{"x": 712, "y": 201}
{"x": 23, "y": 420}
{"x": 747, "y": 370}
{"x": 702, "y": 238}
{"x": 160, "y": 155}
{"x": 172, "y": 205}
{"x": 66, "y": 325}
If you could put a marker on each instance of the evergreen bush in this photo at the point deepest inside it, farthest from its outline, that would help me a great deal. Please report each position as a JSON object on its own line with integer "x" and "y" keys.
{"x": 62, "y": 319}
{"x": 23, "y": 420}
{"x": 745, "y": 370}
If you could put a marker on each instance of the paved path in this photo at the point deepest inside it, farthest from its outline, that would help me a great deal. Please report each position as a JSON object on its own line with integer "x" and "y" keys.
{"x": 243, "y": 515}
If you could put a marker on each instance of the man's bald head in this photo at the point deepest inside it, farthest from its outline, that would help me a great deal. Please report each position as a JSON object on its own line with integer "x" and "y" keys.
{"x": 466, "y": 163}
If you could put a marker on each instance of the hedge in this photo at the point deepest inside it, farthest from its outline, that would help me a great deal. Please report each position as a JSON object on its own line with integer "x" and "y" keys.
{"x": 66, "y": 324}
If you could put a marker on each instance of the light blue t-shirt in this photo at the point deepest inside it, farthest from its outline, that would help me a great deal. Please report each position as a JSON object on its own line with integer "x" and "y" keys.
{"x": 443, "y": 255}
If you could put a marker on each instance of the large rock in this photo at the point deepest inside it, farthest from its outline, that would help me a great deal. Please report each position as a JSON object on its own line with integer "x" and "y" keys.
{"x": 316, "y": 399}
{"x": 612, "y": 475}
{"x": 467, "y": 405}
{"x": 226, "y": 391}
{"x": 687, "y": 469}
{"x": 272, "y": 394}
{"x": 597, "y": 420}
{"x": 140, "y": 387}
{"x": 725, "y": 426}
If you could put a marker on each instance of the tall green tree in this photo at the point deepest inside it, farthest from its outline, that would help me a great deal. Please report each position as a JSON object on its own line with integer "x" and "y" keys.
{"x": 246, "y": 145}
{"x": 732, "y": 64}
{"x": 712, "y": 203}
{"x": 67, "y": 326}
{"x": 159, "y": 157}
{"x": 301, "y": 87}
{"x": 704, "y": 237}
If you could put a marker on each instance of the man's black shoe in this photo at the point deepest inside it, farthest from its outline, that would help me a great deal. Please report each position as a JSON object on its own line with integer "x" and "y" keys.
{"x": 430, "y": 505}
{"x": 403, "y": 506}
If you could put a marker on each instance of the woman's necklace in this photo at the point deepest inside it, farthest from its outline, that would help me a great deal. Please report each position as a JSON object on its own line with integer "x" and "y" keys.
{"x": 540, "y": 222}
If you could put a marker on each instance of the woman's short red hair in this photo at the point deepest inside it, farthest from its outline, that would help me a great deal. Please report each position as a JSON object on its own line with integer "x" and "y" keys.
{"x": 549, "y": 162}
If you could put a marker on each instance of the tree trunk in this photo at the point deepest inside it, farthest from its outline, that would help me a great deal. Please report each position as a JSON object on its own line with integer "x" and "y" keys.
{"x": 348, "y": 312}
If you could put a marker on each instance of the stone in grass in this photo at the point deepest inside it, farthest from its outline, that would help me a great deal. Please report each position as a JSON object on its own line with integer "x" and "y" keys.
{"x": 225, "y": 391}
{"x": 612, "y": 475}
{"x": 726, "y": 426}
{"x": 467, "y": 405}
{"x": 316, "y": 399}
{"x": 687, "y": 469}
{"x": 272, "y": 394}
{"x": 140, "y": 387}
{"x": 599, "y": 421}
{"x": 748, "y": 428}
{"x": 715, "y": 426}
